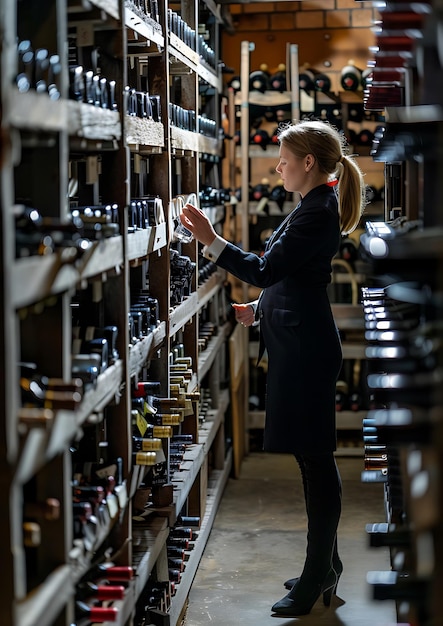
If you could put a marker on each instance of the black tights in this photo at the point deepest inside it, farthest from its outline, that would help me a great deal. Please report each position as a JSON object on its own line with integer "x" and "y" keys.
{"x": 322, "y": 489}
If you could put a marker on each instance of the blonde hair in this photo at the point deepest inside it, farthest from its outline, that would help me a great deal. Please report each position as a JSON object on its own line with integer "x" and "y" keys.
{"x": 326, "y": 144}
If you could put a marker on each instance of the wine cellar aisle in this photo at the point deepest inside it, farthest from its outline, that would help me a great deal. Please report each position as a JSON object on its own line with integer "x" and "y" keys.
{"x": 258, "y": 541}
{"x": 131, "y": 410}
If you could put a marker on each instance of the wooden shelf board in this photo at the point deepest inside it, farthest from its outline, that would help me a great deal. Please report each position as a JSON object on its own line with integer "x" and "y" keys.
{"x": 350, "y": 420}
{"x": 144, "y": 132}
{"x": 44, "y": 604}
{"x": 36, "y": 277}
{"x": 207, "y": 290}
{"x": 182, "y": 313}
{"x": 185, "y": 140}
{"x": 348, "y": 316}
{"x": 353, "y": 350}
{"x": 144, "y": 26}
{"x": 148, "y": 541}
{"x": 209, "y": 428}
{"x": 216, "y": 485}
{"x": 80, "y": 6}
{"x": 347, "y": 451}
{"x": 39, "y": 446}
{"x": 207, "y": 357}
{"x": 140, "y": 352}
{"x": 185, "y": 478}
{"x": 346, "y": 420}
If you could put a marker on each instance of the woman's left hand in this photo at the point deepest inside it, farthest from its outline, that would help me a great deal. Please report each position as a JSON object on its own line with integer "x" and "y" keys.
{"x": 198, "y": 223}
{"x": 244, "y": 313}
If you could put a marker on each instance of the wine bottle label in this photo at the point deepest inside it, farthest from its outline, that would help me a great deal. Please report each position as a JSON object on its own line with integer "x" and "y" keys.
{"x": 166, "y": 404}
{"x": 141, "y": 423}
{"x": 145, "y": 458}
{"x": 106, "y": 471}
{"x": 148, "y": 409}
{"x": 178, "y": 380}
{"x": 31, "y": 534}
{"x": 162, "y": 432}
{"x": 150, "y": 444}
{"x": 170, "y": 419}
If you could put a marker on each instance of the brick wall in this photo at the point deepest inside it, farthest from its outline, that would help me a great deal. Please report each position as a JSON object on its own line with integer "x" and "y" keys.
{"x": 328, "y": 33}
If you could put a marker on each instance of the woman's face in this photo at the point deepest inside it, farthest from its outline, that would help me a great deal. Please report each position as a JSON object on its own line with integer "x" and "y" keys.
{"x": 292, "y": 170}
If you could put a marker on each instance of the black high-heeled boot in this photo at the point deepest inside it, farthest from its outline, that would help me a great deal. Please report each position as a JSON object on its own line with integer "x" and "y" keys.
{"x": 303, "y": 596}
{"x": 336, "y": 564}
{"x": 322, "y": 493}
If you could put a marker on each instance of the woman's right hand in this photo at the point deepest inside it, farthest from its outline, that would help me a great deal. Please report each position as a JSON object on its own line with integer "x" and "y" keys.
{"x": 198, "y": 223}
{"x": 244, "y": 314}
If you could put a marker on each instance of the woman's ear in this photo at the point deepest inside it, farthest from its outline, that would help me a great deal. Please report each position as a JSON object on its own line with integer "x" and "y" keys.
{"x": 310, "y": 160}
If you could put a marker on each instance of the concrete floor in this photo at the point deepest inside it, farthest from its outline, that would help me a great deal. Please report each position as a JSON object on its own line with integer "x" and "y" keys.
{"x": 259, "y": 540}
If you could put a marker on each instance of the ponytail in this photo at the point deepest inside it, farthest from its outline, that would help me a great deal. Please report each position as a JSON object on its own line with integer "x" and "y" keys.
{"x": 351, "y": 194}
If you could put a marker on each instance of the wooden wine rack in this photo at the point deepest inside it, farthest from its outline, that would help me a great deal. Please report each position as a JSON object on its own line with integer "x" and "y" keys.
{"x": 55, "y": 151}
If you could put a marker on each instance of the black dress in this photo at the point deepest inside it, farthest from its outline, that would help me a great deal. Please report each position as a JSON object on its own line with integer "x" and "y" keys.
{"x": 296, "y": 324}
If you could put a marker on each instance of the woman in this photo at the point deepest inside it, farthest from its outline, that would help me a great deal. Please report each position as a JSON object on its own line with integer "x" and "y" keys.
{"x": 298, "y": 331}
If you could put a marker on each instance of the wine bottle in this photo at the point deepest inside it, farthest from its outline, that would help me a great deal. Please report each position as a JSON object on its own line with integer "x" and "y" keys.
{"x": 144, "y": 458}
{"x": 176, "y": 552}
{"x": 306, "y": 78}
{"x": 340, "y": 400}
{"x": 49, "y": 509}
{"x": 322, "y": 82}
{"x": 31, "y": 534}
{"x": 181, "y": 543}
{"x": 147, "y": 388}
{"x": 177, "y": 564}
{"x": 89, "y": 590}
{"x": 391, "y": 585}
{"x": 385, "y": 534}
{"x": 105, "y": 571}
{"x": 49, "y": 393}
{"x": 141, "y": 427}
{"x": 351, "y": 77}
{"x": 365, "y": 137}
{"x": 182, "y": 438}
{"x": 174, "y": 574}
{"x": 355, "y": 401}
{"x": 348, "y": 250}
{"x": 234, "y": 83}
{"x": 167, "y": 405}
{"x": 260, "y": 138}
{"x": 96, "y": 614}
{"x": 166, "y": 419}
{"x": 376, "y": 461}
{"x": 277, "y": 80}
{"x": 188, "y": 520}
{"x": 146, "y": 444}
{"x": 258, "y": 81}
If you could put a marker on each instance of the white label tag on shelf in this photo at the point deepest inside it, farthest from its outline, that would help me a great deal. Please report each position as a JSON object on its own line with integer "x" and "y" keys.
{"x": 85, "y": 34}
{"x": 92, "y": 170}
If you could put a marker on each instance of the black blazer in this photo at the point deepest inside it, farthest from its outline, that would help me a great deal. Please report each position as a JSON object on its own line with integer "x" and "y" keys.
{"x": 296, "y": 324}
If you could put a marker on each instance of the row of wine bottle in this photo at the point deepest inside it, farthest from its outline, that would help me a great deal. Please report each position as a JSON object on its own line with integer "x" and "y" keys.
{"x": 352, "y": 78}
{"x": 36, "y": 234}
{"x": 156, "y": 597}
{"x": 403, "y": 355}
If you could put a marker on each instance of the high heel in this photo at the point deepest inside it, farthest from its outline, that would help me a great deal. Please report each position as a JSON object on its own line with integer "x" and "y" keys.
{"x": 338, "y": 567}
{"x": 293, "y": 606}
